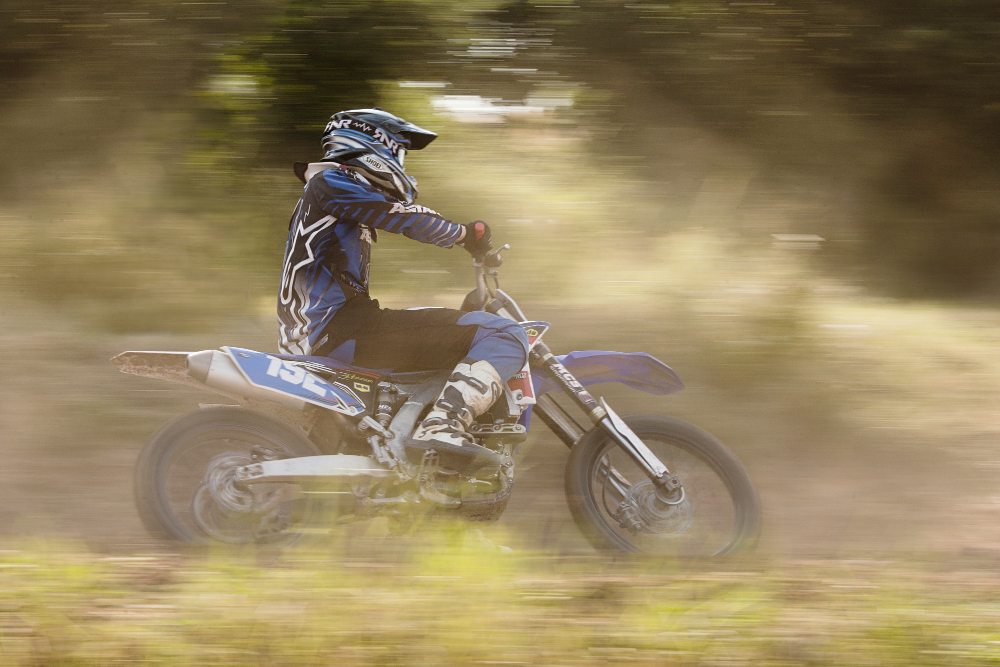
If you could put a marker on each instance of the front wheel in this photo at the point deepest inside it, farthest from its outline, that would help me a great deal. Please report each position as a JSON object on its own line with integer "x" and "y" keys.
{"x": 615, "y": 504}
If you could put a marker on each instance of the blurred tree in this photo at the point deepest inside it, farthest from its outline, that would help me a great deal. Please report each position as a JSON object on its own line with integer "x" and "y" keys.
{"x": 321, "y": 57}
{"x": 918, "y": 82}
{"x": 896, "y": 102}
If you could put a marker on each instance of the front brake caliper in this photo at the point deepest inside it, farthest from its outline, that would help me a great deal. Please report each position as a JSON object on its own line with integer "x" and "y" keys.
{"x": 642, "y": 511}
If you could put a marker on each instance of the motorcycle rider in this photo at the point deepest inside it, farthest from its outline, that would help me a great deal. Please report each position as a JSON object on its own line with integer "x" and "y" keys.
{"x": 324, "y": 308}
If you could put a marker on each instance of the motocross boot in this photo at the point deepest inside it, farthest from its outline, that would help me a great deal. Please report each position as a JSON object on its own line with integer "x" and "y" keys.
{"x": 470, "y": 391}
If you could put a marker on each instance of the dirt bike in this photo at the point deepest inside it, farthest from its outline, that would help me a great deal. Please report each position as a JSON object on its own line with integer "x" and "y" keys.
{"x": 314, "y": 443}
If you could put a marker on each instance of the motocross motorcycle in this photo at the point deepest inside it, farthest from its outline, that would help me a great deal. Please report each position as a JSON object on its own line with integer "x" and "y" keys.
{"x": 314, "y": 443}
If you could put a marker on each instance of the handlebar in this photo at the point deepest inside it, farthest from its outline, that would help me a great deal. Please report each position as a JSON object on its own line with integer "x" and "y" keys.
{"x": 488, "y": 265}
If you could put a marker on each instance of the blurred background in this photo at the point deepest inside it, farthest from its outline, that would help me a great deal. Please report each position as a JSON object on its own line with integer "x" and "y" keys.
{"x": 792, "y": 203}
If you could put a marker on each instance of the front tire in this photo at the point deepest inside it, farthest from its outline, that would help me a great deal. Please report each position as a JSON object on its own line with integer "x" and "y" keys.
{"x": 174, "y": 470}
{"x": 614, "y": 504}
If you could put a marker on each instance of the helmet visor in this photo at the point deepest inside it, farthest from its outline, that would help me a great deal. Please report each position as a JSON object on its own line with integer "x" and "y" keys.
{"x": 418, "y": 136}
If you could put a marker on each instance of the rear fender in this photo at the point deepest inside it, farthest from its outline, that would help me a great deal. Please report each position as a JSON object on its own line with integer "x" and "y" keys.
{"x": 211, "y": 370}
{"x": 168, "y": 366}
{"x": 177, "y": 367}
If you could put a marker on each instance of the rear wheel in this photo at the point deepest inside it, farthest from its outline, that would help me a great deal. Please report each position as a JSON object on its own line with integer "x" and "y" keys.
{"x": 185, "y": 486}
{"x": 615, "y": 504}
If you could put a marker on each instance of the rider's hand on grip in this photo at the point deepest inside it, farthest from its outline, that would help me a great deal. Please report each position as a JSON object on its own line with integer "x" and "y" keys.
{"x": 477, "y": 238}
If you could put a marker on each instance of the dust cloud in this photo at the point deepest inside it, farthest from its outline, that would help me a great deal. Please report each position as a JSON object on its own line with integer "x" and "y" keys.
{"x": 729, "y": 204}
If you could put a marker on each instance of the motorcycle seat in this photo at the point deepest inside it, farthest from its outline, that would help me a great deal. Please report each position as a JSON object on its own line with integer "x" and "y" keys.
{"x": 413, "y": 377}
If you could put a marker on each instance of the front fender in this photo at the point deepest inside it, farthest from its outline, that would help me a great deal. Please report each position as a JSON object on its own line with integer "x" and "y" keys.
{"x": 637, "y": 370}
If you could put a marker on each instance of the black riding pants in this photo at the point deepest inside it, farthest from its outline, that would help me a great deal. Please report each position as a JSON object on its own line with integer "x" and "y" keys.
{"x": 363, "y": 334}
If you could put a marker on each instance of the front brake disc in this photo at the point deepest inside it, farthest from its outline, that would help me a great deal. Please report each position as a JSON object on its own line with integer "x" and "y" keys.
{"x": 641, "y": 511}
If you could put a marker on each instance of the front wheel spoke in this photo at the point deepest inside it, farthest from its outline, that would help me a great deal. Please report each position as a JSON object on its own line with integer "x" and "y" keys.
{"x": 603, "y": 473}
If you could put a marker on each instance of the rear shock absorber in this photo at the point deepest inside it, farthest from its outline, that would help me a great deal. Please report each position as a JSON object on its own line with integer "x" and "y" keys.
{"x": 386, "y": 402}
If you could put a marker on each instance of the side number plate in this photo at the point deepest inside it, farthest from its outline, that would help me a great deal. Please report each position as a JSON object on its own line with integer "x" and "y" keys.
{"x": 286, "y": 377}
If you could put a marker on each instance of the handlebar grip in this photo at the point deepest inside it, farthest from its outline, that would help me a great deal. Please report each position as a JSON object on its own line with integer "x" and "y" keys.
{"x": 493, "y": 261}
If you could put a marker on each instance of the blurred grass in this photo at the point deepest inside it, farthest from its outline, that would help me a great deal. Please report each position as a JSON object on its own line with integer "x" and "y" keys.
{"x": 458, "y": 601}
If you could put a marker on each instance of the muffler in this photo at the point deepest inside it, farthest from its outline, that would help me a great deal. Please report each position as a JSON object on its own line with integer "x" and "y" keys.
{"x": 215, "y": 369}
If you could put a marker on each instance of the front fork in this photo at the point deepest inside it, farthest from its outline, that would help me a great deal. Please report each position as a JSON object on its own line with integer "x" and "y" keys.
{"x": 668, "y": 486}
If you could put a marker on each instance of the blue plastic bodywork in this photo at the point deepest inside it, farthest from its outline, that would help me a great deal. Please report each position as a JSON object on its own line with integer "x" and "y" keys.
{"x": 271, "y": 372}
{"x": 633, "y": 369}
{"x": 637, "y": 370}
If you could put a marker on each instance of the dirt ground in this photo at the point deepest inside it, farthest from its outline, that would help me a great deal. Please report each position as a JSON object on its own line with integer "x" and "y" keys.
{"x": 71, "y": 427}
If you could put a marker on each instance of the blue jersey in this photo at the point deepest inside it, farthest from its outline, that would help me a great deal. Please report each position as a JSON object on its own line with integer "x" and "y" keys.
{"x": 329, "y": 248}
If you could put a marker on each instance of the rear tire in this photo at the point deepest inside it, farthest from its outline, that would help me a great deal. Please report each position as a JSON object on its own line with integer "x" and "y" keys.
{"x": 169, "y": 476}
{"x": 720, "y": 513}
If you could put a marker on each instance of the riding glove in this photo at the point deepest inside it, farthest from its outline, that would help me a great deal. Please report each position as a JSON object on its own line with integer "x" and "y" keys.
{"x": 477, "y": 238}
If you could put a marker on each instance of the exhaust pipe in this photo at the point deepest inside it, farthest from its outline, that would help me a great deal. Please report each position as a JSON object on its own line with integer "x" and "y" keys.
{"x": 214, "y": 368}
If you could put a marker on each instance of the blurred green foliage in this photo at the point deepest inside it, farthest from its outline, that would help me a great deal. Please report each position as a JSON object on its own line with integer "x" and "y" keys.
{"x": 146, "y": 142}
{"x": 467, "y": 604}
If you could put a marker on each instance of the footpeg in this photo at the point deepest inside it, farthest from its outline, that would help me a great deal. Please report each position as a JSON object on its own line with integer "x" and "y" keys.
{"x": 430, "y": 463}
{"x": 499, "y": 434}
